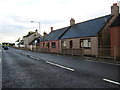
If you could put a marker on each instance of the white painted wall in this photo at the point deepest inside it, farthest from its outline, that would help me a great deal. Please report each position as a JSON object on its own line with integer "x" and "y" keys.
{"x": 16, "y": 44}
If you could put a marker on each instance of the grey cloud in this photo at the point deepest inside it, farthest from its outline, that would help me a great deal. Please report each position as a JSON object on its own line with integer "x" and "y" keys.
{"x": 43, "y": 21}
{"x": 12, "y": 28}
{"x": 48, "y": 21}
{"x": 19, "y": 19}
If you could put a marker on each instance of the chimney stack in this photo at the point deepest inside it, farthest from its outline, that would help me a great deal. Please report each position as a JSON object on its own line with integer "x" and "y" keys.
{"x": 115, "y": 9}
{"x": 72, "y": 21}
{"x": 44, "y": 34}
{"x": 51, "y": 28}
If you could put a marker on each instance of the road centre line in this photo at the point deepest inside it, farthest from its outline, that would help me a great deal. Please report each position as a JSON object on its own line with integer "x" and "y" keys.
{"x": 60, "y": 66}
{"x": 114, "y": 82}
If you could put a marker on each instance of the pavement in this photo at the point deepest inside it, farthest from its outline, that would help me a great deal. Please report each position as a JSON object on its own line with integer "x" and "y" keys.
{"x": 26, "y": 69}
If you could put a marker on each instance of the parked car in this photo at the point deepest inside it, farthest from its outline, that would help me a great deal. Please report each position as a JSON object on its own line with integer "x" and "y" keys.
{"x": 5, "y": 48}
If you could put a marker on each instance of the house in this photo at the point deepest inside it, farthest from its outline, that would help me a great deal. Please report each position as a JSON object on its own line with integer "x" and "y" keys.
{"x": 115, "y": 38}
{"x": 29, "y": 38}
{"x": 52, "y": 43}
{"x": 104, "y": 34}
{"x": 83, "y": 37}
{"x": 91, "y": 37}
{"x": 34, "y": 44}
{"x": 21, "y": 44}
{"x": 16, "y": 42}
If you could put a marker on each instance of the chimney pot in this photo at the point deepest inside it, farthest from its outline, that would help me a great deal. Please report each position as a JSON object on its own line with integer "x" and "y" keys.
{"x": 44, "y": 34}
{"x": 115, "y": 4}
{"x": 72, "y": 21}
{"x": 51, "y": 29}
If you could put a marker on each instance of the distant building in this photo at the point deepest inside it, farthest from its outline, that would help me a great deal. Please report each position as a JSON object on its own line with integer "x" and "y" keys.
{"x": 29, "y": 38}
{"x": 16, "y": 42}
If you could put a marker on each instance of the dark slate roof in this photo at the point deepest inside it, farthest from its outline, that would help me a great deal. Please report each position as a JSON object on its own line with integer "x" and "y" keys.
{"x": 21, "y": 42}
{"x": 33, "y": 41}
{"x": 116, "y": 22}
{"x": 55, "y": 35}
{"x": 87, "y": 28}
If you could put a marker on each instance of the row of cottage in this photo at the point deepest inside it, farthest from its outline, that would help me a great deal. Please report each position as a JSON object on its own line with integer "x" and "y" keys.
{"x": 99, "y": 36}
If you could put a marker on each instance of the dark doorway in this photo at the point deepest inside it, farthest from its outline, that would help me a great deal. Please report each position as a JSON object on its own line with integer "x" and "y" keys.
{"x": 71, "y": 44}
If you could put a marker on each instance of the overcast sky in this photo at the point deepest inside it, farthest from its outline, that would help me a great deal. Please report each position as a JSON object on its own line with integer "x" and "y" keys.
{"x": 15, "y": 15}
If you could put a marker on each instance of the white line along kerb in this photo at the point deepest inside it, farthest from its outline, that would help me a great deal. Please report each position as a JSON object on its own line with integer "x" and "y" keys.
{"x": 111, "y": 81}
{"x": 60, "y": 66}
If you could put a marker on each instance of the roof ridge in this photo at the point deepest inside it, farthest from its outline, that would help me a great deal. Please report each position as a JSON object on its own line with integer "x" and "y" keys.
{"x": 93, "y": 19}
{"x": 60, "y": 29}
{"x": 86, "y": 28}
{"x": 59, "y": 33}
{"x": 81, "y": 22}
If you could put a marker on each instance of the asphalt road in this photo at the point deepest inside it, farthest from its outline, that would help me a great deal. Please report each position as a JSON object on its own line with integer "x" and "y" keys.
{"x": 25, "y": 69}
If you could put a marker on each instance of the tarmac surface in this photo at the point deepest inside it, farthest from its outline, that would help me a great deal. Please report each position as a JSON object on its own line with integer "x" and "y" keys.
{"x": 26, "y": 69}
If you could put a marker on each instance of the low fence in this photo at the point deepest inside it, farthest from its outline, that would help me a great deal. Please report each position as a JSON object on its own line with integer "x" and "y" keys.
{"x": 44, "y": 50}
{"x": 108, "y": 53}
{"x": 77, "y": 52}
{"x": 112, "y": 53}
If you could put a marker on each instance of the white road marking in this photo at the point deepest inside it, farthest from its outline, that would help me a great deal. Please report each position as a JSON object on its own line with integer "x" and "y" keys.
{"x": 0, "y": 50}
{"x": 34, "y": 58}
{"x": 37, "y": 58}
{"x": 111, "y": 81}
{"x": 102, "y": 62}
{"x": 60, "y": 66}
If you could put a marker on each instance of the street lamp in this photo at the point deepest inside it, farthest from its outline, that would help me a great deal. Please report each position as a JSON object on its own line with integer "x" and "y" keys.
{"x": 38, "y": 23}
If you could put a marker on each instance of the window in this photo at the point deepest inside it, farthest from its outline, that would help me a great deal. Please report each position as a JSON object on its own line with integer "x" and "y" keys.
{"x": 85, "y": 43}
{"x": 48, "y": 45}
{"x": 53, "y": 45}
{"x": 43, "y": 44}
{"x": 64, "y": 43}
